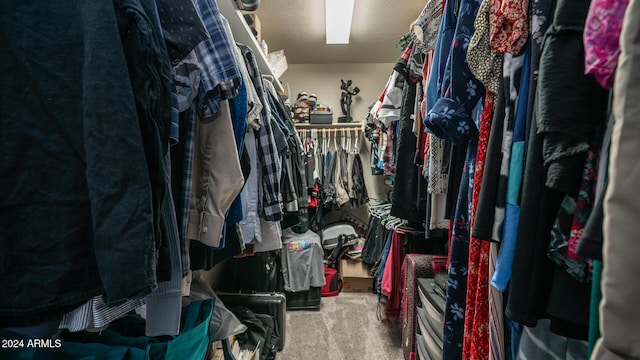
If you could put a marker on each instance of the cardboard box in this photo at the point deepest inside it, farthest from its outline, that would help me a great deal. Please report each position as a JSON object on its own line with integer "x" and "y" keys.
{"x": 355, "y": 276}
{"x": 350, "y": 284}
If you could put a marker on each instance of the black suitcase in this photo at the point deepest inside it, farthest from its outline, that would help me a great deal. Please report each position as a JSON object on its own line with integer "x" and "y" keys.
{"x": 274, "y": 304}
{"x": 304, "y": 300}
{"x": 258, "y": 273}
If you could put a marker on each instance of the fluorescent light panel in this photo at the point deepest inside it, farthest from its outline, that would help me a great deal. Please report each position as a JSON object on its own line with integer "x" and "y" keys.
{"x": 339, "y": 14}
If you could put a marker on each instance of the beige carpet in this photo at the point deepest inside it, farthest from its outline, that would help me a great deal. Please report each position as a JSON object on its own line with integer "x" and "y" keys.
{"x": 345, "y": 327}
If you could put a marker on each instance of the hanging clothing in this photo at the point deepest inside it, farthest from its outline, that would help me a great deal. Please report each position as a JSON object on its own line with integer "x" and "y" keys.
{"x": 270, "y": 165}
{"x": 483, "y": 224}
{"x": 186, "y": 83}
{"x": 509, "y": 226}
{"x": 392, "y": 278}
{"x": 164, "y": 304}
{"x": 182, "y": 28}
{"x": 484, "y": 62}
{"x": 476, "y": 326}
{"x": 342, "y": 196}
{"x": 567, "y": 132}
{"x": 106, "y": 173}
{"x": 301, "y": 257}
{"x": 424, "y": 31}
{"x": 509, "y": 25}
{"x": 220, "y": 73}
{"x": 450, "y": 116}
{"x": 407, "y": 176}
{"x": 530, "y": 290}
{"x": 217, "y": 177}
{"x": 250, "y": 223}
{"x": 618, "y": 317}
{"x": 238, "y": 108}
{"x": 454, "y": 316}
{"x": 540, "y": 342}
{"x": 602, "y": 39}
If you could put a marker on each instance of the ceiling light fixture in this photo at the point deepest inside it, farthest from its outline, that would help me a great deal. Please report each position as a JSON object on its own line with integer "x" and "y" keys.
{"x": 339, "y": 14}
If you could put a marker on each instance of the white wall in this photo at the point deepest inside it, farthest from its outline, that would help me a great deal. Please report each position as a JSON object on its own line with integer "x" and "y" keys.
{"x": 324, "y": 81}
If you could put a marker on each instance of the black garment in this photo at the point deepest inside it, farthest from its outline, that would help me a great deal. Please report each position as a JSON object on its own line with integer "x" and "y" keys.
{"x": 299, "y": 172}
{"x": 532, "y": 270}
{"x": 372, "y": 132}
{"x": 280, "y": 139}
{"x": 359, "y": 187}
{"x": 151, "y": 77}
{"x": 375, "y": 241}
{"x": 532, "y": 208}
{"x": 181, "y": 26}
{"x": 75, "y": 199}
{"x": 485, "y": 213}
{"x": 310, "y": 166}
{"x": 204, "y": 257}
{"x": 284, "y": 115}
{"x": 328, "y": 187}
{"x": 570, "y": 104}
{"x": 456, "y": 168}
{"x": 407, "y": 178}
{"x": 344, "y": 170}
{"x": 568, "y": 306}
{"x": 592, "y": 238}
{"x": 262, "y": 332}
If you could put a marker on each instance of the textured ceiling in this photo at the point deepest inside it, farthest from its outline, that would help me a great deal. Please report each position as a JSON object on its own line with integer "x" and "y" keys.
{"x": 297, "y": 26}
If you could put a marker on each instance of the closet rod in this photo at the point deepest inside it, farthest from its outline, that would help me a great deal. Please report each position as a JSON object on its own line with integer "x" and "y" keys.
{"x": 325, "y": 130}
{"x": 328, "y": 126}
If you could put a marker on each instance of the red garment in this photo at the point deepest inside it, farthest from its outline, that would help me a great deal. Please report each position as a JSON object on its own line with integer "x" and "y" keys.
{"x": 509, "y": 25}
{"x": 394, "y": 266}
{"x": 476, "y": 323}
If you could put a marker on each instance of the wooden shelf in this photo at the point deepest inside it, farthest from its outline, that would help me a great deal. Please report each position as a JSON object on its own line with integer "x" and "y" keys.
{"x": 242, "y": 34}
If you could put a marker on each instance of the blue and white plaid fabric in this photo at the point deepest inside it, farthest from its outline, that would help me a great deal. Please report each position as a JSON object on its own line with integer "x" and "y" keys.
{"x": 220, "y": 77}
{"x": 188, "y": 133}
{"x": 267, "y": 152}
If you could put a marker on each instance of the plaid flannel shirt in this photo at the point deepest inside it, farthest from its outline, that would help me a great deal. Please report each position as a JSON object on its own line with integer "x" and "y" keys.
{"x": 267, "y": 152}
{"x": 220, "y": 77}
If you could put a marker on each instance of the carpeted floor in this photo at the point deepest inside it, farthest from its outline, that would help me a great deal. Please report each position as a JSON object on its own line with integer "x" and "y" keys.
{"x": 345, "y": 327}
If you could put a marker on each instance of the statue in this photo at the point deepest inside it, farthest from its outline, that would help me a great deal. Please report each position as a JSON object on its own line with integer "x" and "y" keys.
{"x": 345, "y": 101}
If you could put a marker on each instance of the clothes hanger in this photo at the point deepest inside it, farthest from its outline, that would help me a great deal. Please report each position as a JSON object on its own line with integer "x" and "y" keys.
{"x": 354, "y": 141}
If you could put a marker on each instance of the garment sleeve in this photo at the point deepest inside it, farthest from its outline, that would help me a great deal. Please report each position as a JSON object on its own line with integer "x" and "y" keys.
{"x": 271, "y": 167}
{"x": 450, "y": 117}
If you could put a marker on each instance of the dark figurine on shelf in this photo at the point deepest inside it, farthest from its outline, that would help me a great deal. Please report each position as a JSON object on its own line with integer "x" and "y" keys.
{"x": 345, "y": 101}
